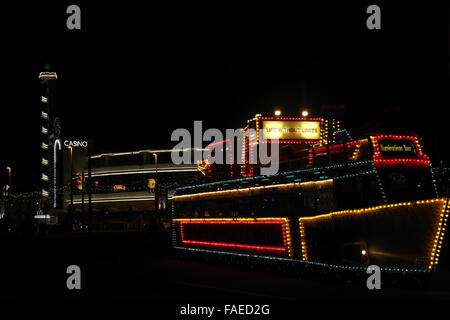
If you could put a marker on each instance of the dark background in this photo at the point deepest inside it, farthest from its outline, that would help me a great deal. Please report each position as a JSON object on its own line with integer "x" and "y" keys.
{"x": 135, "y": 72}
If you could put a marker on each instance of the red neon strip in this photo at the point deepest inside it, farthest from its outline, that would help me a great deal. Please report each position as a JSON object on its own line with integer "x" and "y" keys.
{"x": 217, "y": 143}
{"x": 320, "y": 150}
{"x": 292, "y": 141}
{"x": 234, "y": 222}
{"x": 407, "y": 163}
{"x": 290, "y": 118}
{"x": 336, "y": 148}
{"x": 351, "y": 143}
{"x": 235, "y": 246}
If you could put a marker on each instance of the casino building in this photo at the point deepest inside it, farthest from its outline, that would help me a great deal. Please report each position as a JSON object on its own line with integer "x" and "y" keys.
{"x": 126, "y": 181}
{"x": 128, "y": 189}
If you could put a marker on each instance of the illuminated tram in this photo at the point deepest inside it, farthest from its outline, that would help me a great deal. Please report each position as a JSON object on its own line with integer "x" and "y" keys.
{"x": 336, "y": 203}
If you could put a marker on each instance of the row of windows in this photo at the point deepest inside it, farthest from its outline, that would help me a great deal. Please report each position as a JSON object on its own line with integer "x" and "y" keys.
{"x": 358, "y": 192}
{"x": 136, "y": 182}
{"x": 133, "y": 159}
{"x": 273, "y": 205}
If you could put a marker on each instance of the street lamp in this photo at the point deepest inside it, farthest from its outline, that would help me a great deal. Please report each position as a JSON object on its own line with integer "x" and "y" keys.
{"x": 305, "y": 113}
{"x": 9, "y": 176}
{"x": 71, "y": 178}
{"x": 6, "y": 196}
{"x": 277, "y": 113}
{"x": 156, "y": 183}
{"x": 156, "y": 167}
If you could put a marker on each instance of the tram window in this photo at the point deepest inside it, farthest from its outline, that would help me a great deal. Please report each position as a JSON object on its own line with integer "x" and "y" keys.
{"x": 309, "y": 201}
{"x": 407, "y": 185}
{"x": 347, "y": 194}
{"x": 325, "y": 200}
{"x": 296, "y": 202}
{"x": 264, "y": 206}
{"x": 372, "y": 191}
{"x": 186, "y": 209}
{"x": 282, "y": 204}
{"x": 244, "y": 206}
{"x": 268, "y": 205}
{"x": 228, "y": 208}
{"x": 210, "y": 208}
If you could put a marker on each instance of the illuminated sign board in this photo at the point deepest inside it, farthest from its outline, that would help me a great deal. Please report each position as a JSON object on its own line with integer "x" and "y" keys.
{"x": 151, "y": 183}
{"x": 391, "y": 147}
{"x": 76, "y": 143}
{"x": 291, "y": 130}
{"x": 119, "y": 187}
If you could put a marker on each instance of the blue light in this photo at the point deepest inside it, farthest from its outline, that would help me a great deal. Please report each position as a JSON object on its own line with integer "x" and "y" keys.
{"x": 320, "y": 264}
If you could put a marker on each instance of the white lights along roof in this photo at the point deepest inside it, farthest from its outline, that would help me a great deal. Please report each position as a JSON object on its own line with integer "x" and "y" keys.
{"x": 144, "y": 151}
{"x": 120, "y": 199}
{"x": 142, "y": 171}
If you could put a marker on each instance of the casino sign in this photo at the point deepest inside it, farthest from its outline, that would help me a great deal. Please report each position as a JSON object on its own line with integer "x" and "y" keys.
{"x": 76, "y": 143}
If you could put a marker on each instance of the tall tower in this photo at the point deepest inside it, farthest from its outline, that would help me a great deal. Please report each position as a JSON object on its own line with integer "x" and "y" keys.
{"x": 48, "y": 108}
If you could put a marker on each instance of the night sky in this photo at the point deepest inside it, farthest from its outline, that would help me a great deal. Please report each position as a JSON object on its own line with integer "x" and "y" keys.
{"x": 134, "y": 73}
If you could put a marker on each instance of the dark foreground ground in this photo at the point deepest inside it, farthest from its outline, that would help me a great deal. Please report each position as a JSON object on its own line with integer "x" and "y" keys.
{"x": 142, "y": 266}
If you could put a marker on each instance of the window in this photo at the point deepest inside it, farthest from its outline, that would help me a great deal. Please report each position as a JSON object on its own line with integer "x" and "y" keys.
{"x": 407, "y": 185}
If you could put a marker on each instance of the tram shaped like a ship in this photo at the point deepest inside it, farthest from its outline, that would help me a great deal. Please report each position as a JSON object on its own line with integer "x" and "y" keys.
{"x": 336, "y": 202}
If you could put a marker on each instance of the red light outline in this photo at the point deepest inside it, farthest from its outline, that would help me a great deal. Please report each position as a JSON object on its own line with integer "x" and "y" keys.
{"x": 289, "y": 118}
{"x": 283, "y": 249}
{"x": 235, "y": 246}
{"x": 291, "y": 141}
{"x": 384, "y": 162}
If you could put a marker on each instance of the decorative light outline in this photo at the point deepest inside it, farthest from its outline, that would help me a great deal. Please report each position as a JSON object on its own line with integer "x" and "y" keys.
{"x": 145, "y": 151}
{"x": 284, "y": 222}
{"x": 245, "y": 191}
{"x": 120, "y": 199}
{"x": 142, "y": 171}
{"x": 303, "y": 263}
{"x": 438, "y": 239}
{"x": 420, "y": 160}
